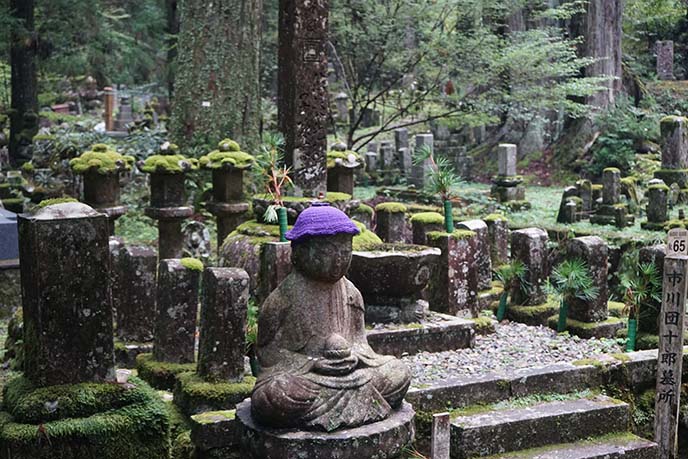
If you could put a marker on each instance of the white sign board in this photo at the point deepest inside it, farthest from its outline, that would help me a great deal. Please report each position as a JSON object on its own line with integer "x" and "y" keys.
{"x": 678, "y": 242}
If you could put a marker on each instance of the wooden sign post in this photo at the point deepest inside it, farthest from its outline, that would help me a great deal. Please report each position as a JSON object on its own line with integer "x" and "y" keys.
{"x": 670, "y": 359}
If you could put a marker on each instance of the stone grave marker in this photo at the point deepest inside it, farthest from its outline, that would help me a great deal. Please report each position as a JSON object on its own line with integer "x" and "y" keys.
{"x": 530, "y": 247}
{"x": 665, "y": 60}
{"x": 439, "y": 442}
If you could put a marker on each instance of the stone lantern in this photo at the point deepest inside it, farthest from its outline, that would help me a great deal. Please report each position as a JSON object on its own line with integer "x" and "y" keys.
{"x": 341, "y": 165}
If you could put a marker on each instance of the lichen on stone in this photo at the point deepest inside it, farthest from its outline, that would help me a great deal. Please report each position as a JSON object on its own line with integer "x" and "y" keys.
{"x": 101, "y": 159}
{"x": 365, "y": 209}
{"x": 391, "y": 207}
{"x": 228, "y": 155}
{"x": 193, "y": 264}
{"x": 428, "y": 218}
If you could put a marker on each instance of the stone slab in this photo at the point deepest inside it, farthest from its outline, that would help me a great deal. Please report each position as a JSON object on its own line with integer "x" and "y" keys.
{"x": 534, "y": 426}
{"x": 214, "y": 429}
{"x": 9, "y": 236}
{"x": 444, "y": 333}
{"x": 382, "y": 440}
{"x": 623, "y": 446}
{"x": 587, "y": 330}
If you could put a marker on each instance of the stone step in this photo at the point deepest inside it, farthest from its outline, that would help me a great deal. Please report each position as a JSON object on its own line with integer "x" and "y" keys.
{"x": 623, "y": 446}
{"x": 505, "y": 430}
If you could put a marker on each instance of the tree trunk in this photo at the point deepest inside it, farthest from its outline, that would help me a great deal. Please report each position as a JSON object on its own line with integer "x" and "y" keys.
{"x": 172, "y": 30}
{"x": 24, "y": 113}
{"x": 217, "y": 83}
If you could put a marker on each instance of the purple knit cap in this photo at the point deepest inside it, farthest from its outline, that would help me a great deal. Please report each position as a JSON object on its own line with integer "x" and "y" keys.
{"x": 321, "y": 220}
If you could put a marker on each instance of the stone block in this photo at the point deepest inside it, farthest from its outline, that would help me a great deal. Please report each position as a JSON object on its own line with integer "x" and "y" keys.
{"x": 611, "y": 182}
{"x": 9, "y": 236}
{"x": 658, "y": 204}
{"x": 665, "y": 59}
{"x": 507, "y": 159}
{"x": 498, "y": 234}
{"x": 674, "y": 132}
{"x": 593, "y": 251}
{"x": 391, "y": 225}
{"x": 193, "y": 394}
{"x": 481, "y": 255}
{"x": 530, "y": 247}
{"x": 275, "y": 266}
{"x": 214, "y": 429}
{"x": 419, "y": 172}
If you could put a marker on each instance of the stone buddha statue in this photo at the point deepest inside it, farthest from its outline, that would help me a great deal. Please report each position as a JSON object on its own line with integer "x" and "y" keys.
{"x": 318, "y": 371}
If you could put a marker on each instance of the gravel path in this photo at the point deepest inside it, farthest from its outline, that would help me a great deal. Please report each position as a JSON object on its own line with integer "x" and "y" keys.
{"x": 513, "y": 346}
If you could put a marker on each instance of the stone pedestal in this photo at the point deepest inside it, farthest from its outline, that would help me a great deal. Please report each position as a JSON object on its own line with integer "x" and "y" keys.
{"x": 611, "y": 212}
{"x": 134, "y": 292}
{"x": 507, "y": 185}
{"x": 177, "y": 302}
{"x": 454, "y": 287}
{"x": 529, "y": 246}
{"x": 125, "y": 116}
{"x": 167, "y": 201}
{"x": 102, "y": 192}
{"x": 665, "y": 60}
{"x": 481, "y": 255}
{"x": 342, "y": 101}
{"x": 424, "y": 223}
{"x": 303, "y": 106}
{"x": 498, "y": 234}
{"x": 222, "y": 343}
{"x": 65, "y": 277}
{"x": 228, "y": 206}
{"x": 389, "y": 438}
{"x": 391, "y": 222}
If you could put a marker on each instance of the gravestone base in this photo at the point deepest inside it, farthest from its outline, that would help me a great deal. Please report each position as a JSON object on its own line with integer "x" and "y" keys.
{"x": 487, "y": 298}
{"x": 533, "y": 315}
{"x": 604, "y": 329}
{"x": 670, "y": 176}
{"x": 193, "y": 394}
{"x": 126, "y": 352}
{"x": 517, "y": 206}
{"x": 212, "y": 431}
{"x": 508, "y": 193}
{"x": 405, "y": 311}
{"x": 653, "y": 226}
{"x": 116, "y": 421}
{"x": 615, "y": 215}
{"x": 161, "y": 375}
{"x": 385, "y": 439}
{"x": 436, "y": 333}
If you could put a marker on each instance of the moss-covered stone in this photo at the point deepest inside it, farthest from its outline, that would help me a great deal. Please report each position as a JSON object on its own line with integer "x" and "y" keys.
{"x": 333, "y": 156}
{"x": 137, "y": 428}
{"x": 51, "y": 202}
{"x": 366, "y": 209}
{"x": 612, "y": 170}
{"x": 457, "y": 234}
{"x": 193, "y": 394}
{"x": 365, "y": 238}
{"x": 228, "y": 155}
{"x": 182, "y": 447}
{"x": 495, "y": 218}
{"x": 484, "y": 325}
{"x": 168, "y": 164}
{"x": 103, "y": 160}
{"x": 192, "y": 263}
{"x": 616, "y": 309}
{"x": 391, "y": 207}
{"x": 428, "y": 218}
{"x": 533, "y": 315}
{"x": 161, "y": 375}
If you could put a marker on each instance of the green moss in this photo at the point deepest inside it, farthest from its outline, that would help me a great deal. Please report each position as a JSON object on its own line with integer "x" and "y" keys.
{"x": 458, "y": 235}
{"x": 182, "y": 447}
{"x": 193, "y": 394}
{"x": 671, "y": 119}
{"x": 364, "y": 209}
{"x": 168, "y": 164}
{"x": 495, "y": 218}
{"x": 161, "y": 375}
{"x": 331, "y": 197}
{"x": 101, "y": 159}
{"x": 193, "y": 264}
{"x": 616, "y": 309}
{"x": 211, "y": 417}
{"x": 483, "y": 325}
{"x": 333, "y": 156}
{"x": 138, "y": 429}
{"x": 228, "y": 145}
{"x": 597, "y": 187}
{"x": 365, "y": 238}
{"x": 622, "y": 357}
{"x": 391, "y": 207}
{"x": 659, "y": 186}
{"x": 219, "y": 159}
{"x": 52, "y": 202}
{"x": 612, "y": 169}
{"x": 588, "y": 362}
{"x": 179, "y": 422}
{"x": 428, "y": 218}
{"x": 28, "y": 167}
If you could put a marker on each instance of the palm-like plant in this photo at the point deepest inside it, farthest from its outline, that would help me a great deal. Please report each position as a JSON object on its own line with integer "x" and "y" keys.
{"x": 643, "y": 292}
{"x": 271, "y": 171}
{"x": 570, "y": 280}
{"x": 509, "y": 274}
{"x": 441, "y": 180}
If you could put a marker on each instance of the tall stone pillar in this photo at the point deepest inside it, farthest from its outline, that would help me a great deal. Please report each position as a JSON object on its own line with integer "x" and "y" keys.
{"x": 302, "y": 92}
{"x": 665, "y": 60}
{"x": 529, "y": 246}
{"x": 65, "y": 278}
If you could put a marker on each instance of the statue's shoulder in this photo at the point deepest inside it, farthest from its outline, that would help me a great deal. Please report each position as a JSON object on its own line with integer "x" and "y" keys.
{"x": 354, "y": 294}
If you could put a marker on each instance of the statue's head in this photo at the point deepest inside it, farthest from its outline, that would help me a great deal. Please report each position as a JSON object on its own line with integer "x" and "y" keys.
{"x": 321, "y": 242}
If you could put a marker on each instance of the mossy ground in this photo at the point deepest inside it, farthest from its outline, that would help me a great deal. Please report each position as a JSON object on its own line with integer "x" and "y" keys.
{"x": 160, "y": 375}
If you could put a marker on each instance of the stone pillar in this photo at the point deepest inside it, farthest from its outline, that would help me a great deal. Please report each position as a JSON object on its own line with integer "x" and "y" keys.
{"x": 454, "y": 286}
{"x": 507, "y": 185}
{"x": 303, "y": 107}
{"x": 405, "y": 161}
{"x": 498, "y": 234}
{"x": 507, "y": 158}
{"x": 275, "y": 266}
{"x": 593, "y": 251}
{"x": 674, "y": 133}
{"x": 177, "y": 302}
{"x": 481, "y": 255}
{"x": 401, "y": 139}
{"x": 125, "y": 116}
{"x": 665, "y": 60}
{"x": 371, "y": 157}
{"x": 419, "y": 171}
{"x": 424, "y": 223}
{"x": 167, "y": 206}
{"x": 611, "y": 180}
{"x": 134, "y": 292}
{"x": 658, "y": 204}
{"x": 228, "y": 196}
{"x": 391, "y": 221}
{"x": 342, "y": 101}
{"x": 564, "y": 216}
{"x": 530, "y": 247}
{"x": 109, "y": 106}
{"x": 65, "y": 279}
{"x": 441, "y": 436}
{"x": 387, "y": 154}
{"x": 224, "y": 312}
{"x": 585, "y": 193}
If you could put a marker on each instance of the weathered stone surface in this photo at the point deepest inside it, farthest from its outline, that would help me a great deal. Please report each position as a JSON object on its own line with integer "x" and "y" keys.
{"x": 9, "y": 237}
{"x": 498, "y": 234}
{"x": 214, "y": 429}
{"x": 593, "y": 251}
{"x": 65, "y": 278}
{"x": 387, "y": 154}
{"x": 507, "y": 156}
{"x": 134, "y": 291}
{"x": 224, "y": 309}
{"x": 401, "y": 138}
{"x": 341, "y": 180}
{"x": 658, "y": 204}
{"x": 303, "y": 106}
{"x": 439, "y": 441}
{"x": 530, "y": 247}
{"x": 620, "y": 446}
{"x": 585, "y": 192}
{"x": 481, "y": 256}
{"x": 312, "y": 345}
{"x": 275, "y": 266}
{"x": 611, "y": 180}
{"x": 177, "y": 302}
{"x": 455, "y": 286}
{"x": 445, "y": 333}
{"x": 674, "y": 133}
{"x": 391, "y": 226}
{"x": 382, "y": 440}
{"x": 419, "y": 172}
{"x": 194, "y": 395}
{"x": 535, "y": 426}
{"x": 665, "y": 59}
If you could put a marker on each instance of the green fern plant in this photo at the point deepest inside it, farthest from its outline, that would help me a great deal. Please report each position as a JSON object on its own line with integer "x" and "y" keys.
{"x": 642, "y": 295}
{"x": 571, "y": 280}
{"x": 442, "y": 180}
{"x": 508, "y": 275}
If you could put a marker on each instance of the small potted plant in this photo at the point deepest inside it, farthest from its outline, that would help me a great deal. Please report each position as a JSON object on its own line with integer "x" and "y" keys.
{"x": 571, "y": 279}
{"x": 274, "y": 175}
{"x": 642, "y": 291}
{"x": 508, "y": 275}
{"x": 441, "y": 181}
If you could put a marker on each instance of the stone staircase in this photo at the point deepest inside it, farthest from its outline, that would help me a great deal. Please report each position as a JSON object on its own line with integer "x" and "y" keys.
{"x": 575, "y": 426}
